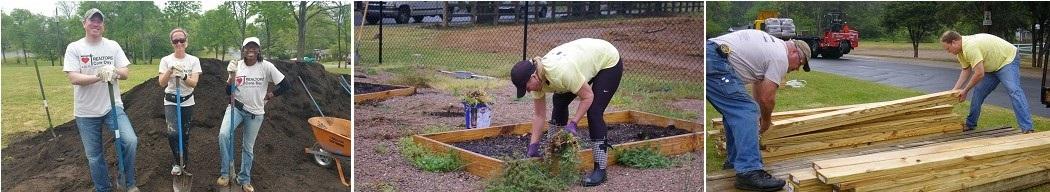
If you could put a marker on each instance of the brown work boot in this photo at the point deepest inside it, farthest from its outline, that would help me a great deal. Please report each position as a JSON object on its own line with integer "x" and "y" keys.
{"x": 223, "y": 181}
{"x": 247, "y": 187}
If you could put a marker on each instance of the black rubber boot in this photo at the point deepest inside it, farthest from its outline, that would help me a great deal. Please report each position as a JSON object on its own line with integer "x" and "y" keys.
{"x": 601, "y": 157}
{"x": 758, "y": 180}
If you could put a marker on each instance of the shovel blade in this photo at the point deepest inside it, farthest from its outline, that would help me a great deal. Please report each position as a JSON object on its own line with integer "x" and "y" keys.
{"x": 182, "y": 183}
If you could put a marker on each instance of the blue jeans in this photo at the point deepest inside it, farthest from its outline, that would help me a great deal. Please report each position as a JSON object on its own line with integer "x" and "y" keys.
{"x": 1010, "y": 77}
{"x": 90, "y": 129}
{"x": 726, "y": 92}
{"x": 251, "y": 125}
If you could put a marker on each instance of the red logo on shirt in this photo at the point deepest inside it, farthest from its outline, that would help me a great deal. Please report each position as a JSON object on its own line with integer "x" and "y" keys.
{"x": 240, "y": 80}
{"x": 84, "y": 59}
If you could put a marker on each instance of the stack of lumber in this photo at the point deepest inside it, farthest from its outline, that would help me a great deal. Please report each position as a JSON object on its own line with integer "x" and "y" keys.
{"x": 943, "y": 167}
{"x": 822, "y": 130}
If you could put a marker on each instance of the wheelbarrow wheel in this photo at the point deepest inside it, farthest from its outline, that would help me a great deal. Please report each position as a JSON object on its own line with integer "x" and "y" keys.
{"x": 323, "y": 160}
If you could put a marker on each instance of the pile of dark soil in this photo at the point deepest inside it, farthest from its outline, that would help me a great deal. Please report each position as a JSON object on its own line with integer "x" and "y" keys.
{"x": 513, "y": 146}
{"x": 39, "y": 164}
{"x": 363, "y": 88}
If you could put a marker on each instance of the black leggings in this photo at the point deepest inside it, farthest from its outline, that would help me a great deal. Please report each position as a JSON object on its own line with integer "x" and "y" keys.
{"x": 172, "y": 131}
{"x": 604, "y": 85}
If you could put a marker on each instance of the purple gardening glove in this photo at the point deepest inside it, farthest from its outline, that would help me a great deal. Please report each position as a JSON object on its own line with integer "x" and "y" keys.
{"x": 571, "y": 127}
{"x": 533, "y": 150}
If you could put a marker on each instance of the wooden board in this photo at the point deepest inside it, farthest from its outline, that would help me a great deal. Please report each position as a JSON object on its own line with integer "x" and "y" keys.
{"x": 879, "y": 125}
{"x": 805, "y": 124}
{"x": 722, "y": 180}
{"x": 850, "y": 161}
{"x": 717, "y": 122}
{"x": 383, "y": 95}
{"x": 488, "y": 167}
{"x": 902, "y": 122}
{"x": 959, "y": 176}
{"x": 889, "y": 134}
{"x": 921, "y": 162}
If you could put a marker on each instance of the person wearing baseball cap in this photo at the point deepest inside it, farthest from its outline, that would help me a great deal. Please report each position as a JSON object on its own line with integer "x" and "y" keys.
{"x": 249, "y": 81}
{"x": 92, "y": 64}
{"x": 588, "y": 69}
{"x": 757, "y": 58}
{"x": 985, "y": 62}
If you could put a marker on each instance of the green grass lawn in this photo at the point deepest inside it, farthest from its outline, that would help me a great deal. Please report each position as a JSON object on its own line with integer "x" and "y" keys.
{"x": 825, "y": 90}
{"x": 23, "y": 110}
{"x": 412, "y": 52}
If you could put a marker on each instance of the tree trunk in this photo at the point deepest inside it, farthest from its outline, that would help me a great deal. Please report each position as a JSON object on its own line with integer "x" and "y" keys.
{"x": 25, "y": 57}
{"x": 301, "y": 22}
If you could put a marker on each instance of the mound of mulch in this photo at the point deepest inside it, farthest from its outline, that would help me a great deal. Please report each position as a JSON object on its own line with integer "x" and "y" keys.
{"x": 513, "y": 146}
{"x": 38, "y": 163}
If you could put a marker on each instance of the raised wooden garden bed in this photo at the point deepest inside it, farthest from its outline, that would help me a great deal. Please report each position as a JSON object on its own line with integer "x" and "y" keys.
{"x": 486, "y": 166}
{"x": 371, "y": 91}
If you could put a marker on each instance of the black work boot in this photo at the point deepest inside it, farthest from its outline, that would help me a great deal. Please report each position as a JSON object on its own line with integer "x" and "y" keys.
{"x": 758, "y": 180}
{"x": 601, "y": 157}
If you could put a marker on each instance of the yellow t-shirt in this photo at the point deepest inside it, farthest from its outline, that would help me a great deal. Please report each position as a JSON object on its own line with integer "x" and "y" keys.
{"x": 994, "y": 51}
{"x": 569, "y": 66}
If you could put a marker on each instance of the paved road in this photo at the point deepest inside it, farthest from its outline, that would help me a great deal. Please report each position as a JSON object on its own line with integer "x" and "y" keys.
{"x": 927, "y": 76}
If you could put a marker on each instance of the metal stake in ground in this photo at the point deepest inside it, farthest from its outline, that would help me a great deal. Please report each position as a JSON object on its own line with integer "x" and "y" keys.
{"x": 47, "y": 110}
{"x": 116, "y": 136}
{"x": 184, "y": 180}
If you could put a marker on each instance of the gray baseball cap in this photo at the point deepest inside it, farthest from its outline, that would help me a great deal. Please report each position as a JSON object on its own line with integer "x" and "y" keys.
{"x": 91, "y": 12}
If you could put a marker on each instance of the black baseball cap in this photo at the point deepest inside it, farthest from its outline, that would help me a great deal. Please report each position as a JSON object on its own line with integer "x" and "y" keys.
{"x": 520, "y": 74}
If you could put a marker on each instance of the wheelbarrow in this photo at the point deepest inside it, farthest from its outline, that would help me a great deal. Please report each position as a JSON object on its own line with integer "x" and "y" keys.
{"x": 333, "y": 143}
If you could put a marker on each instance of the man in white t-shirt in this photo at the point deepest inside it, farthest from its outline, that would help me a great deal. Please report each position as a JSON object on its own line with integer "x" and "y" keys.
{"x": 90, "y": 64}
{"x": 184, "y": 69}
{"x": 248, "y": 81}
{"x": 757, "y": 58}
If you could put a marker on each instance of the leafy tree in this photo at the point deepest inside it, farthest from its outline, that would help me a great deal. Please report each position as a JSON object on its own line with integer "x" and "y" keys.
{"x": 216, "y": 31}
{"x": 908, "y": 15}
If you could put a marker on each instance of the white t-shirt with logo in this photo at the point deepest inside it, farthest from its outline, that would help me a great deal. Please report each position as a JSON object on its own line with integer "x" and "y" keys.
{"x": 93, "y": 100}
{"x": 191, "y": 63}
{"x": 252, "y": 82}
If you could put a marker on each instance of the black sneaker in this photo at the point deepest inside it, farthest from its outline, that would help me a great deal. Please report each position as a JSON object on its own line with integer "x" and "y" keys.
{"x": 1028, "y": 131}
{"x": 758, "y": 180}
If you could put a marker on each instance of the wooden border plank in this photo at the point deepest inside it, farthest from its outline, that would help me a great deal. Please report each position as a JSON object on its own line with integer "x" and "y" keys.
{"x": 488, "y": 167}
{"x": 383, "y": 95}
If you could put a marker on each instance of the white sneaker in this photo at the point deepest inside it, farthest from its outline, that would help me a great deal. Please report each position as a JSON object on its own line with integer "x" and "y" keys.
{"x": 176, "y": 170}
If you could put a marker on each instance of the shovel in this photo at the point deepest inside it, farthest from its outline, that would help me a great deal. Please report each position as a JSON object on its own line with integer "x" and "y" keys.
{"x": 231, "y": 186}
{"x": 116, "y": 137}
{"x": 182, "y": 181}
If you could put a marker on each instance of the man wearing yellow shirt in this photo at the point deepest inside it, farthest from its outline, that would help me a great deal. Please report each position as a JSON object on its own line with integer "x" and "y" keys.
{"x": 588, "y": 69}
{"x": 987, "y": 61}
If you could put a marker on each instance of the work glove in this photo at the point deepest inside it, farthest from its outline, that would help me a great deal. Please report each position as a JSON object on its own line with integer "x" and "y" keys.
{"x": 179, "y": 70}
{"x": 571, "y": 128}
{"x": 232, "y": 67}
{"x": 106, "y": 73}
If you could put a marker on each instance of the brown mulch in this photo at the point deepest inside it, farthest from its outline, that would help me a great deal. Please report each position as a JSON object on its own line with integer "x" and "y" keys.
{"x": 39, "y": 164}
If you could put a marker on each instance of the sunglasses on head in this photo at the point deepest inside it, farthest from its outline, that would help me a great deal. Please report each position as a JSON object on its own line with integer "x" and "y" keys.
{"x": 177, "y": 41}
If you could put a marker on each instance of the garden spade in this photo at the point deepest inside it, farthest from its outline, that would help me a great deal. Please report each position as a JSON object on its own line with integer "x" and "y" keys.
{"x": 116, "y": 138}
{"x": 183, "y": 181}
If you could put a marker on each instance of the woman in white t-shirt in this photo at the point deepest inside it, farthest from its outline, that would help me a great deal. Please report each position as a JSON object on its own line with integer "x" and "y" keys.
{"x": 249, "y": 81}
{"x": 184, "y": 69}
